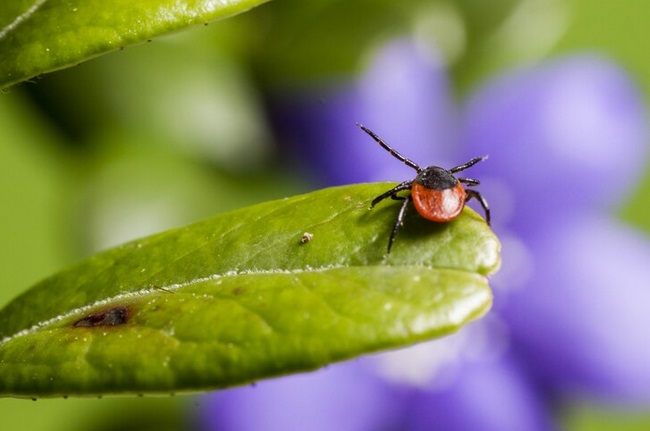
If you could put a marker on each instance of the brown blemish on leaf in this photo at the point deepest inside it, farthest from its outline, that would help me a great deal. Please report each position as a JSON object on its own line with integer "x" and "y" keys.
{"x": 238, "y": 291}
{"x": 112, "y": 317}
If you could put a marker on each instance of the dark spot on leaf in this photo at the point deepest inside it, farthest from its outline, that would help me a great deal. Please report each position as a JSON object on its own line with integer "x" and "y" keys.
{"x": 111, "y": 317}
{"x": 238, "y": 291}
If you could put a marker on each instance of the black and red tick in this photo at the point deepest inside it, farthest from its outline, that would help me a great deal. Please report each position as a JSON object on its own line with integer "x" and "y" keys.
{"x": 437, "y": 194}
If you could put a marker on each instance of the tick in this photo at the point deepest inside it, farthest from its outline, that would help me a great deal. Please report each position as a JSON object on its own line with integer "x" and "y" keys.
{"x": 437, "y": 194}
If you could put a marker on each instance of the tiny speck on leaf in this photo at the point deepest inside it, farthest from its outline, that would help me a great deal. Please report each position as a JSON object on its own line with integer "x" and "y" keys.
{"x": 306, "y": 237}
{"x": 112, "y": 317}
{"x": 238, "y": 291}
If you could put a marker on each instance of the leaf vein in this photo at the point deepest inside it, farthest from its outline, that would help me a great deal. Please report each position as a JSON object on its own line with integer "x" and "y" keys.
{"x": 20, "y": 18}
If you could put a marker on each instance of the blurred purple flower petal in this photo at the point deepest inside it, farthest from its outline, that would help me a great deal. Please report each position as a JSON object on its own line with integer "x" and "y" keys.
{"x": 565, "y": 135}
{"x": 340, "y": 397}
{"x": 489, "y": 395}
{"x": 406, "y": 99}
{"x": 582, "y": 323}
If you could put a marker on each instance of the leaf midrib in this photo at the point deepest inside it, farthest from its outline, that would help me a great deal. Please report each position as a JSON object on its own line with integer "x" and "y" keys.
{"x": 176, "y": 286}
{"x": 21, "y": 18}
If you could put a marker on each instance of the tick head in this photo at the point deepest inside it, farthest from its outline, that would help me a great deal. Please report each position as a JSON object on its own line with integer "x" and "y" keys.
{"x": 436, "y": 178}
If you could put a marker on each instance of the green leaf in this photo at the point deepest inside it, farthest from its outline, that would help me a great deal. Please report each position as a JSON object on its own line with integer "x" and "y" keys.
{"x": 279, "y": 287}
{"x": 38, "y": 36}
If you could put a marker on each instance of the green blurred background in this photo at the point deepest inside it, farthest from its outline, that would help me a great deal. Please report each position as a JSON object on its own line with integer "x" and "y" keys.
{"x": 124, "y": 145}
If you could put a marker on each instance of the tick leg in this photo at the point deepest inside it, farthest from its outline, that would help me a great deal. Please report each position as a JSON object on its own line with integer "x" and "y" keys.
{"x": 469, "y": 181}
{"x": 398, "y": 223}
{"x": 390, "y": 193}
{"x": 479, "y": 197}
{"x": 388, "y": 148}
{"x": 469, "y": 164}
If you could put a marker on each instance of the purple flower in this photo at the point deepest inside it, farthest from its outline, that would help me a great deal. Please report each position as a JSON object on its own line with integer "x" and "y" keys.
{"x": 581, "y": 323}
{"x": 566, "y": 141}
{"x": 569, "y": 134}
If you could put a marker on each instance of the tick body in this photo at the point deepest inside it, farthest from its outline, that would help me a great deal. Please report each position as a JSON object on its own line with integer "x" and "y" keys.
{"x": 437, "y": 194}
